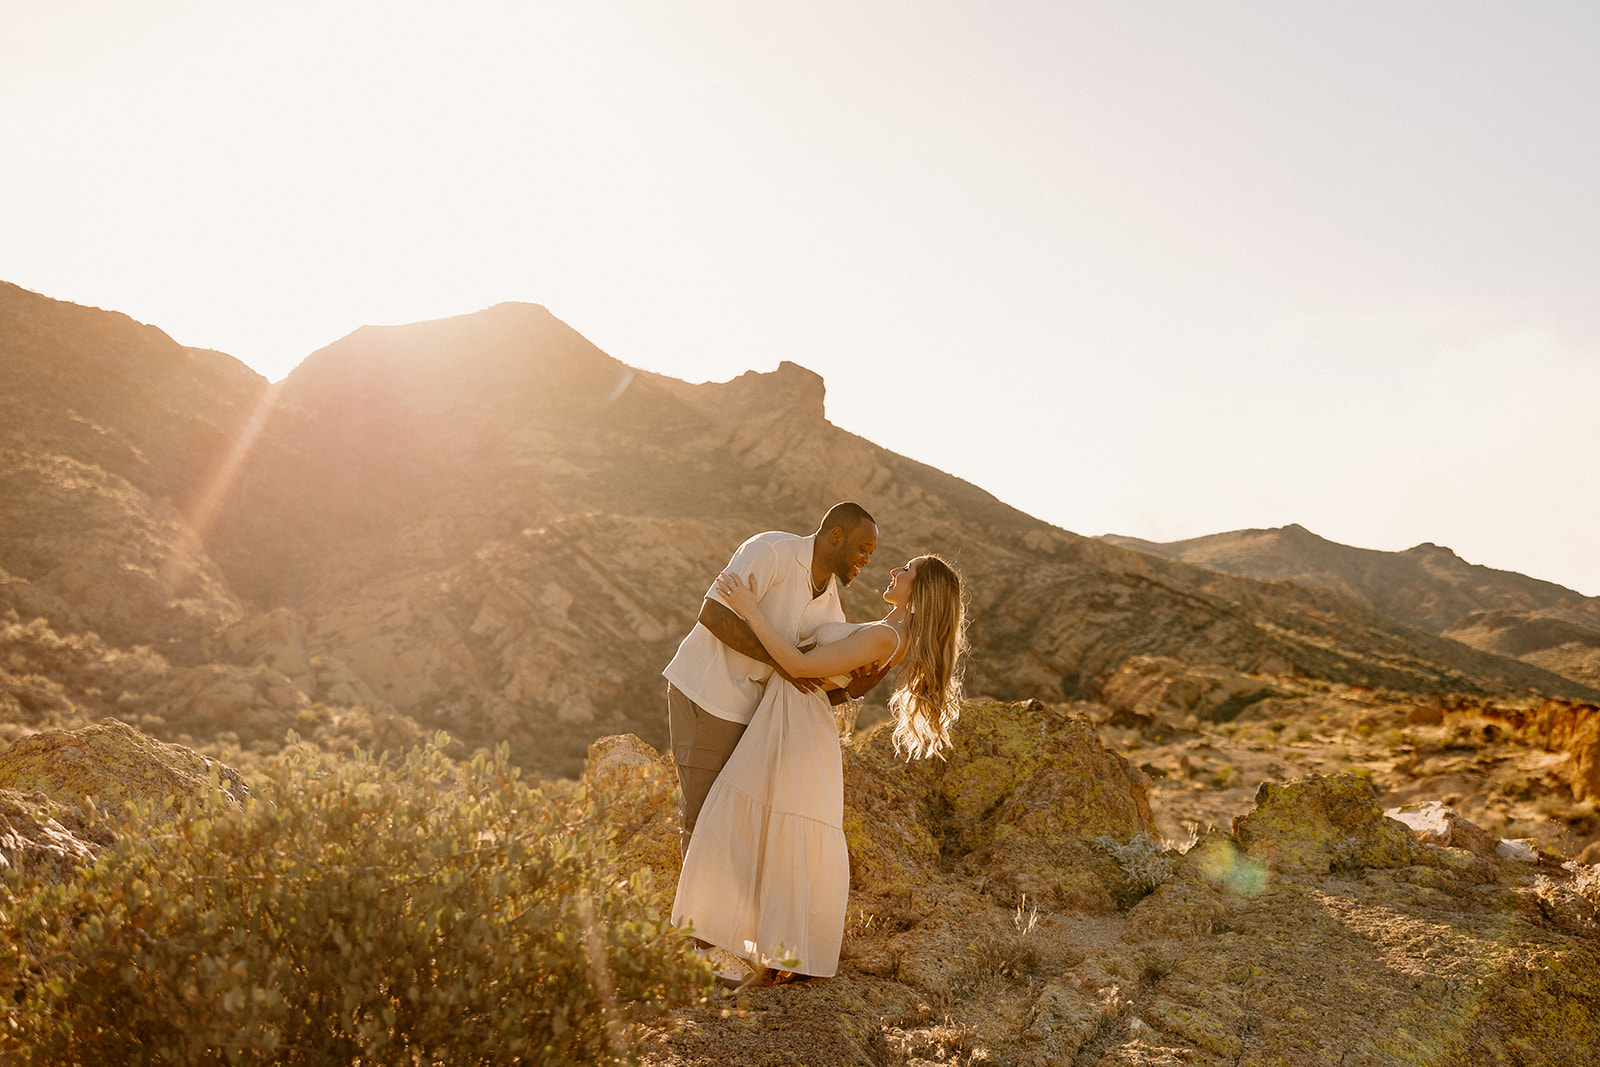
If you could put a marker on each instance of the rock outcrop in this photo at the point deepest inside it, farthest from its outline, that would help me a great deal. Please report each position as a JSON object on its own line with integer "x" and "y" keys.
{"x": 65, "y": 794}
{"x": 112, "y": 764}
{"x": 1153, "y": 692}
{"x": 1324, "y": 821}
{"x": 1434, "y": 822}
{"x": 1018, "y": 804}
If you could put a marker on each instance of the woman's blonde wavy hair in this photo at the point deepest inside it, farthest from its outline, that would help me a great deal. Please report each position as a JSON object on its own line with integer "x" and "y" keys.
{"x": 927, "y": 697}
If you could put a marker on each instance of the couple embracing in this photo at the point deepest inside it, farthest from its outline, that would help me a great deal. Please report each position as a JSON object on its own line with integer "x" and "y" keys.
{"x": 766, "y": 872}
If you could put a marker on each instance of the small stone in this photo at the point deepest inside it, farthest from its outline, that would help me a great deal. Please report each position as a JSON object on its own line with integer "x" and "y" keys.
{"x": 1519, "y": 850}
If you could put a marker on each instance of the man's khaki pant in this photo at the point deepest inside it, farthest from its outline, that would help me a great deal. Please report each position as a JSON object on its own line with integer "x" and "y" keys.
{"x": 701, "y": 745}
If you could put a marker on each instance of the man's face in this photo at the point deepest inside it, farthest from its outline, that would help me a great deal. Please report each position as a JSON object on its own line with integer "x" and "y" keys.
{"x": 855, "y": 551}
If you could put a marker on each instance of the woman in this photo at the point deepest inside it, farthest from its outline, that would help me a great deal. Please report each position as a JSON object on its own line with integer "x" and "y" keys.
{"x": 767, "y": 873}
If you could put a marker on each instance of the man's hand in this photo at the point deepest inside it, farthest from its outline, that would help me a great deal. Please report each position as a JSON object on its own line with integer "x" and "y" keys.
{"x": 863, "y": 679}
{"x": 805, "y": 685}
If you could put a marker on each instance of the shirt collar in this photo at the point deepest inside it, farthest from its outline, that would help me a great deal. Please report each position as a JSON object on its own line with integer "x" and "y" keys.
{"x": 803, "y": 561}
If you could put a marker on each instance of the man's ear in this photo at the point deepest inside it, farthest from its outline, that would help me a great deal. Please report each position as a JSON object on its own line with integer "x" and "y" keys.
{"x": 836, "y": 536}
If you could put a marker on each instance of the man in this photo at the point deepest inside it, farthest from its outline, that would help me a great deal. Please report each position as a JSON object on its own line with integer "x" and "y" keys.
{"x": 715, "y": 681}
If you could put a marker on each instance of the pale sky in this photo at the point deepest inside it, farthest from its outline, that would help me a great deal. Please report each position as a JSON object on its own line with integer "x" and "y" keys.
{"x": 1159, "y": 269}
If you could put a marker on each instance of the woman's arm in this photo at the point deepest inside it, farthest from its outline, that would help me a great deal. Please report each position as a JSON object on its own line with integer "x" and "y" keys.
{"x": 868, "y": 645}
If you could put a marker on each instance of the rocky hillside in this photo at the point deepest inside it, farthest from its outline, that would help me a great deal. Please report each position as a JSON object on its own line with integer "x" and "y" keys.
{"x": 1428, "y": 587}
{"x": 487, "y": 525}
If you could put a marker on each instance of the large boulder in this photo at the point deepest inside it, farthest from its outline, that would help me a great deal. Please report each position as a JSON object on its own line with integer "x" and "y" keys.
{"x": 1319, "y": 822}
{"x": 1024, "y": 795}
{"x": 114, "y": 764}
{"x": 1029, "y": 797}
{"x": 1433, "y": 822}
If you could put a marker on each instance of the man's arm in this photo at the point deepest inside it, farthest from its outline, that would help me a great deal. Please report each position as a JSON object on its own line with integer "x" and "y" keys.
{"x": 726, "y": 626}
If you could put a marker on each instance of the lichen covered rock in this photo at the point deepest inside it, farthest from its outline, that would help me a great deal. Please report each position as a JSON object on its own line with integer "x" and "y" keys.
{"x": 113, "y": 763}
{"x": 1321, "y": 821}
{"x": 1029, "y": 791}
{"x": 1022, "y": 795}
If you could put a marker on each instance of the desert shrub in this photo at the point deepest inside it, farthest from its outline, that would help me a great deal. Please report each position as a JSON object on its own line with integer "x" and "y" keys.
{"x": 1006, "y": 954}
{"x": 1142, "y": 859}
{"x": 82, "y": 668}
{"x": 1585, "y": 880}
{"x": 355, "y": 911}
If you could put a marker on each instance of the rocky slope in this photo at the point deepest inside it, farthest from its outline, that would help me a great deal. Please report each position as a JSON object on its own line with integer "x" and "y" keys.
{"x": 1564, "y": 640}
{"x": 1004, "y": 910}
{"x": 1428, "y": 587}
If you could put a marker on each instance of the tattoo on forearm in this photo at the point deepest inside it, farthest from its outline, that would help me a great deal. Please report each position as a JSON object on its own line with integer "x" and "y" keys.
{"x": 732, "y": 631}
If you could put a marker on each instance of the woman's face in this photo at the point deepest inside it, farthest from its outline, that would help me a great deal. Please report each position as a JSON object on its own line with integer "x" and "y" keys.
{"x": 899, "y": 588}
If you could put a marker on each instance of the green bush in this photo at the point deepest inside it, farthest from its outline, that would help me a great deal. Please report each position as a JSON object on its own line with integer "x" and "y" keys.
{"x": 354, "y": 912}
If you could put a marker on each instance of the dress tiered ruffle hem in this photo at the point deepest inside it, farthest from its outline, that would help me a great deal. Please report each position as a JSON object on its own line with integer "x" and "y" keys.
{"x": 767, "y": 873}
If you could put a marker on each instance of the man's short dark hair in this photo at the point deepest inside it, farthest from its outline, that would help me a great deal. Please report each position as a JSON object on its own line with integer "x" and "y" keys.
{"x": 847, "y": 516}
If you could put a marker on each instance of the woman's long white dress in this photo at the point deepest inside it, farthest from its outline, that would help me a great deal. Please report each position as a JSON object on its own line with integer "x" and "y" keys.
{"x": 767, "y": 873}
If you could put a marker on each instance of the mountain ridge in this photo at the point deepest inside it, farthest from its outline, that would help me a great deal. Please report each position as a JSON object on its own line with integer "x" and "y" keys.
{"x": 1427, "y": 586}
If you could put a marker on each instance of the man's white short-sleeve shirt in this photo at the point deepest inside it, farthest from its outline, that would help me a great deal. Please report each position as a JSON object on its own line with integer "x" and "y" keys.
{"x": 727, "y": 683}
